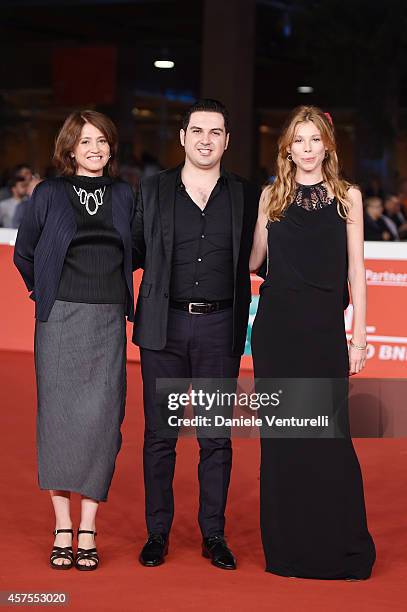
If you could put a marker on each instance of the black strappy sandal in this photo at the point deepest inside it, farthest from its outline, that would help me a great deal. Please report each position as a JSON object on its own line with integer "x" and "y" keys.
{"x": 62, "y": 552}
{"x": 89, "y": 554}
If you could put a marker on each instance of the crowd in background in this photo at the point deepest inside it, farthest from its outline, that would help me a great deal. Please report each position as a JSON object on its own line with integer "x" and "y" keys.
{"x": 385, "y": 213}
{"x": 385, "y": 219}
{"x": 15, "y": 193}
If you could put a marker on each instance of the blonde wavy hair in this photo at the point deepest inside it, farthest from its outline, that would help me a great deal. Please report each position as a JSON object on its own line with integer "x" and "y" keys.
{"x": 277, "y": 197}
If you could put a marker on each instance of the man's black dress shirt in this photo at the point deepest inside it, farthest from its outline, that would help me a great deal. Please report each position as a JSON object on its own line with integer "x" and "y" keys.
{"x": 202, "y": 262}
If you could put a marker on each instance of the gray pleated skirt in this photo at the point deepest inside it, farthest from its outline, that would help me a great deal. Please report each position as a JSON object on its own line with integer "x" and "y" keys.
{"x": 80, "y": 361}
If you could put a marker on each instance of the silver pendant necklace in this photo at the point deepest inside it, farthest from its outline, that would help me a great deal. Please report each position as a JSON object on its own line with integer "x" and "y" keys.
{"x": 86, "y": 196}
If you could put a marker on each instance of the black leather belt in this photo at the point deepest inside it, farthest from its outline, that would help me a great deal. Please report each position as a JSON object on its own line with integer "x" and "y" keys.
{"x": 201, "y": 307}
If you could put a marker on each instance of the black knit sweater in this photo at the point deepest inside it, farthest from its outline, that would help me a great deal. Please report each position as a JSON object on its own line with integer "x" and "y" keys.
{"x": 93, "y": 266}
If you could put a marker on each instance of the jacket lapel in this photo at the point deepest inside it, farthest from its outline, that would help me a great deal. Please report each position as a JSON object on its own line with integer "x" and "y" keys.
{"x": 237, "y": 202}
{"x": 121, "y": 218}
{"x": 120, "y": 212}
{"x": 166, "y": 203}
{"x": 68, "y": 213}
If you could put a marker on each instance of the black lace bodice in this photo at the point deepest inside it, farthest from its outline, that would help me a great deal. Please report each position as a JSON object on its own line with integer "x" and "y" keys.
{"x": 312, "y": 197}
{"x": 308, "y": 248}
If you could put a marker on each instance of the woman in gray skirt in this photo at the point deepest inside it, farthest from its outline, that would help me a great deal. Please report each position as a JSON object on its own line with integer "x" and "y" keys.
{"x": 73, "y": 251}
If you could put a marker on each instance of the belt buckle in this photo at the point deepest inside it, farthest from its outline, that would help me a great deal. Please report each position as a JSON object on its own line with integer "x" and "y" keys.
{"x": 195, "y": 304}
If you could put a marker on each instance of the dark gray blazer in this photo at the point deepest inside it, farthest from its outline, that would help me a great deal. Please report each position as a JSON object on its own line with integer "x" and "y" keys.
{"x": 153, "y": 237}
{"x": 46, "y": 231}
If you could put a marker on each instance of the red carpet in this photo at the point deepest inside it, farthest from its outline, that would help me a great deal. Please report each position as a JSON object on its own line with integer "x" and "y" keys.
{"x": 186, "y": 581}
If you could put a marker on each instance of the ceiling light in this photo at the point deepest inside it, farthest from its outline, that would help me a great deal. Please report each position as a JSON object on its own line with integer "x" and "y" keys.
{"x": 305, "y": 89}
{"x": 164, "y": 64}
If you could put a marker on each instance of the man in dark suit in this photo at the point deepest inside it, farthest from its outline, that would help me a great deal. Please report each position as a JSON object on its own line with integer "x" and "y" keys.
{"x": 192, "y": 234}
{"x": 375, "y": 226}
{"x": 393, "y": 211}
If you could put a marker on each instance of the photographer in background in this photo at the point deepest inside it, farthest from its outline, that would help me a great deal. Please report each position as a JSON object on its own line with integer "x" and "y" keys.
{"x": 20, "y": 210}
{"x": 18, "y": 186}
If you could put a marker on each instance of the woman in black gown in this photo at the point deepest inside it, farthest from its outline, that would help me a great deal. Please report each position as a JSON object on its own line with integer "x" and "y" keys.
{"x": 310, "y": 226}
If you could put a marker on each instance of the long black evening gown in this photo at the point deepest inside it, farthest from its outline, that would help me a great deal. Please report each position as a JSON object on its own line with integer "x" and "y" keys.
{"x": 313, "y": 519}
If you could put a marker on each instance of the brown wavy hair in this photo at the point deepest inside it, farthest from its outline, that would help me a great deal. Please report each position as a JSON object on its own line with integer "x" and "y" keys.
{"x": 70, "y": 134}
{"x": 277, "y": 197}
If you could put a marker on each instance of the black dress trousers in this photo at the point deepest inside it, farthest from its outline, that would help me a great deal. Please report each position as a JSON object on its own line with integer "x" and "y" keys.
{"x": 198, "y": 346}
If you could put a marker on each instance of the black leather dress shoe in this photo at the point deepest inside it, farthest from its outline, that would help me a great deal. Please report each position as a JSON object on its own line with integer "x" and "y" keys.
{"x": 216, "y": 549}
{"x": 154, "y": 550}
